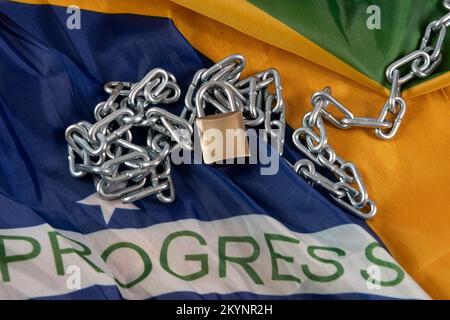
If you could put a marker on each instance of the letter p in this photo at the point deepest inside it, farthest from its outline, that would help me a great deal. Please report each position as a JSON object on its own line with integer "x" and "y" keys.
{"x": 19, "y": 249}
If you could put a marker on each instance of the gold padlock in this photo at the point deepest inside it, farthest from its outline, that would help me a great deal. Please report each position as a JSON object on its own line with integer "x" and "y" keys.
{"x": 222, "y": 136}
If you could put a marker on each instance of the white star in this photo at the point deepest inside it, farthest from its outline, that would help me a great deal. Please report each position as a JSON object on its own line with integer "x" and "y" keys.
{"x": 107, "y": 206}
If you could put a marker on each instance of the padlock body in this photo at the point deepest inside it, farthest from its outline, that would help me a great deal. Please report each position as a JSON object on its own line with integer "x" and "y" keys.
{"x": 222, "y": 137}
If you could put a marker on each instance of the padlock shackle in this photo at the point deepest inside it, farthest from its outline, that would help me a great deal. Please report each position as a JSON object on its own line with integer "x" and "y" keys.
{"x": 224, "y": 86}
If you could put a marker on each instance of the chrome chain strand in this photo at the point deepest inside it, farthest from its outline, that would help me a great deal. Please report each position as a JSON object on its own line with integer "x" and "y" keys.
{"x": 421, "y": 62}
{"x": 348, "y": 189}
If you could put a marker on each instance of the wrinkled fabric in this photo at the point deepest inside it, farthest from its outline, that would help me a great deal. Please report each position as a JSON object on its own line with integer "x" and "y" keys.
{"x": 52, "y": 77}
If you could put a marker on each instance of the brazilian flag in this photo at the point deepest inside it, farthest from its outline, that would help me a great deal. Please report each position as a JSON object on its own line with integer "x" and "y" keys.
{"x": 231, "y": 233}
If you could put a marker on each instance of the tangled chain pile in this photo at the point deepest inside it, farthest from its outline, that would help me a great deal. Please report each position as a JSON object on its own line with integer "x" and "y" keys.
{"x": 123, "y": 169}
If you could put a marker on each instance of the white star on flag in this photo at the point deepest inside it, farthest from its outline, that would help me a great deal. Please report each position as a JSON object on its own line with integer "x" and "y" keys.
{"x": 107, "y": 206}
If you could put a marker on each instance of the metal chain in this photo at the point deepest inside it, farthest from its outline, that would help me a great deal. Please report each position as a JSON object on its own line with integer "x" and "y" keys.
{"x": 348, "y": 189}
{"x": 129, "y": 172}
{"x": 262, "y": 106}
{"x": 422, "y": 63}
{"x": 125, "y": 170}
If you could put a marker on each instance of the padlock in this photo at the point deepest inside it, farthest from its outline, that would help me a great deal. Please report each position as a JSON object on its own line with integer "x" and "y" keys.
{"x": 222, "y": 136}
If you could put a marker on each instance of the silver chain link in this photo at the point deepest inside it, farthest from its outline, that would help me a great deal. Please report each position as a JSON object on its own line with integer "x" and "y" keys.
{"x": 348, "y": 189}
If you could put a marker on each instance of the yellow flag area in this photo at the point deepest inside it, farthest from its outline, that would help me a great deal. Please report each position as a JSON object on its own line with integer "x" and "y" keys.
{"x": 407, "y": 177}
